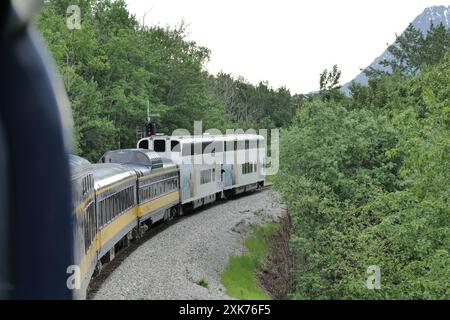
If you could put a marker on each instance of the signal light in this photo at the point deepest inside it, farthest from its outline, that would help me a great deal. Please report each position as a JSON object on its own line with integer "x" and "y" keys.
{"x": 150, "y": 129}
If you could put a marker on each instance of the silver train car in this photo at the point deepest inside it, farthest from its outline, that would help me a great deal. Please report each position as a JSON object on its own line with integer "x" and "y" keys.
{"x": 212, "y": 166}
{"x": 116, "y": 203}
{"x": 84, "y": 220}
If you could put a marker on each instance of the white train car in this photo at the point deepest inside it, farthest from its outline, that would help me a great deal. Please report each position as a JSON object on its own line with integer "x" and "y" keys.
{"x": 212, "y": 166}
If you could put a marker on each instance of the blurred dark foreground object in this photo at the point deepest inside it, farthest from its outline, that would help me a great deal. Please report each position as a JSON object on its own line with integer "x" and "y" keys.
{"x": 35, "y": 194}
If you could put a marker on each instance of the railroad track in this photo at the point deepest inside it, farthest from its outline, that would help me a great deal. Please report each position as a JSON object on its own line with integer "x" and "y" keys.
{"x": 123, "y": 254}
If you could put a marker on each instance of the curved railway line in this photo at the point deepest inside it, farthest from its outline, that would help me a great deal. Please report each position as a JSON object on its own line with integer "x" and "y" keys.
{"x": 99, "y": 279}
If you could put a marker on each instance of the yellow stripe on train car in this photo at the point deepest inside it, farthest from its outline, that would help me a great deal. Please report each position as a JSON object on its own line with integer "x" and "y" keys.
{"x": 160, "y": 202}
{"x": 110, "y": 231}
{"x": 119, "y": 223}
{"x": 86, "y": 262}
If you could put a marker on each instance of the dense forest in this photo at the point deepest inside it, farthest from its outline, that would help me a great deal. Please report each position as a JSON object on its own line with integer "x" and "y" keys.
{"x": 113, "y": 67}
{"x": 365, "y": 176}
{"x": 366, "y": 179}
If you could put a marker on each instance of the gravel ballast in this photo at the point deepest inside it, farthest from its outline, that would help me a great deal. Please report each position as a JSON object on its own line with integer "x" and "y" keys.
{"x": 198, "y": 247}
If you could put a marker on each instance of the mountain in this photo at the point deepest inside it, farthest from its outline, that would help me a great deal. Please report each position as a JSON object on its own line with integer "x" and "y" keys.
{"x": 436, "y": 14}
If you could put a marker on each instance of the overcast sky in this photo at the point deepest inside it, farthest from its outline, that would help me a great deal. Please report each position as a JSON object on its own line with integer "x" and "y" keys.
{"x": 287, "y": 42}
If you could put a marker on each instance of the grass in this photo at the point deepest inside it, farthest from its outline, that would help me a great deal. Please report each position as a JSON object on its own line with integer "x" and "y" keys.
{"x": 203, "y": 283}
{"x": 240, "y": 276}
{"x": 270, "y": 179}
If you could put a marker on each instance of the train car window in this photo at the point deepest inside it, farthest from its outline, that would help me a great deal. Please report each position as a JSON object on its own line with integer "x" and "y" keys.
{"x": 175, "y": 146}
{"x": 186, "y": 150}
{"x": 100, "y": 208}
{"x": 205, "y": 176}
{"x": 120, "y": 202}
{"x": 113, "y": 210}
{"x": 214, "y": 174}
{"x": 105, "y": 212}
{"x": 247, "y": 144}
{"x": 159, "y": 145}
{"x": 103, "y": 217}
{"x": 219, "y": 146}
{"x": 109, "y": 209}
{"x": 143, "y": 144}
{"x": 205, "y": 145}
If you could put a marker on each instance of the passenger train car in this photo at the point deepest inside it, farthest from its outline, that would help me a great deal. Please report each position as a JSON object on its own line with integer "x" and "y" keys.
{"x": 84, "y": 220}
{"x": 212, "y": 166}
{"x": 118, "y": 199}
{"x": 114, "y": 203}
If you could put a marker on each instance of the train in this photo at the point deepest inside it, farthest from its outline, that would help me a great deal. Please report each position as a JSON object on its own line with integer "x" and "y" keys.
{"x": 116, "y": 200}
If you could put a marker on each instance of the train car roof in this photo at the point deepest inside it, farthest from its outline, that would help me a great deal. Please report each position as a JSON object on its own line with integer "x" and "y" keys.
{"x": 141, "y": 157}
{"x": 110, "y": 173}
{"x": 142, "y": 170}
{"x": 207, "y": 138}
{"x": 79, "y": 166}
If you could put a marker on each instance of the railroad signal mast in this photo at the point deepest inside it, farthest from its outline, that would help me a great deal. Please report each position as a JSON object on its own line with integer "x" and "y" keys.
{"x": 150, "y": 129}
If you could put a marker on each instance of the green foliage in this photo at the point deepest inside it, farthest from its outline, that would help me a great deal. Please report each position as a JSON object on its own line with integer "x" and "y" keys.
{"x": 329, "y": 84}
{"x": 413, "y": 50}
{"x": 113, "y": 67}
{"x": 240, "y": 276}
{"x": 202, "y": 283}
{"x": 366, "y": 181}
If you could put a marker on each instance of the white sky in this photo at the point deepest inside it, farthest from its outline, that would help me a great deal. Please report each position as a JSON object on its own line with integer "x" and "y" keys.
{"x": 287, "y": 42}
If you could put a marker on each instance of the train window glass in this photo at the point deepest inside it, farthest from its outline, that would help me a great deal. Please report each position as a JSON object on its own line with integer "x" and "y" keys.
{"x": 159, "y": 145}
{"x": 175, "y": 146}
{"x": 100, "y": 208}
{"x": 106, "y": 211}
{"x": 118, "y": 203}
{"x": 110, "y": 208}
{"x": 247, "y": 144}
{"x": 111, "y": 213}
{"x": 103, "y": 213}
{"x": 186, "y": 151}
{"x": 205, "y": 176}
{"x": 219, "y": 146}
{"x": 143, "y": 144}
{"x": 105, "y": 217}
{"x": 229, "y": 146}
{"x": 113, "y": 208}
{"x": 214, "y": 174}
{"x": 124, "y": 200}
{"x": 210, "y": 145}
